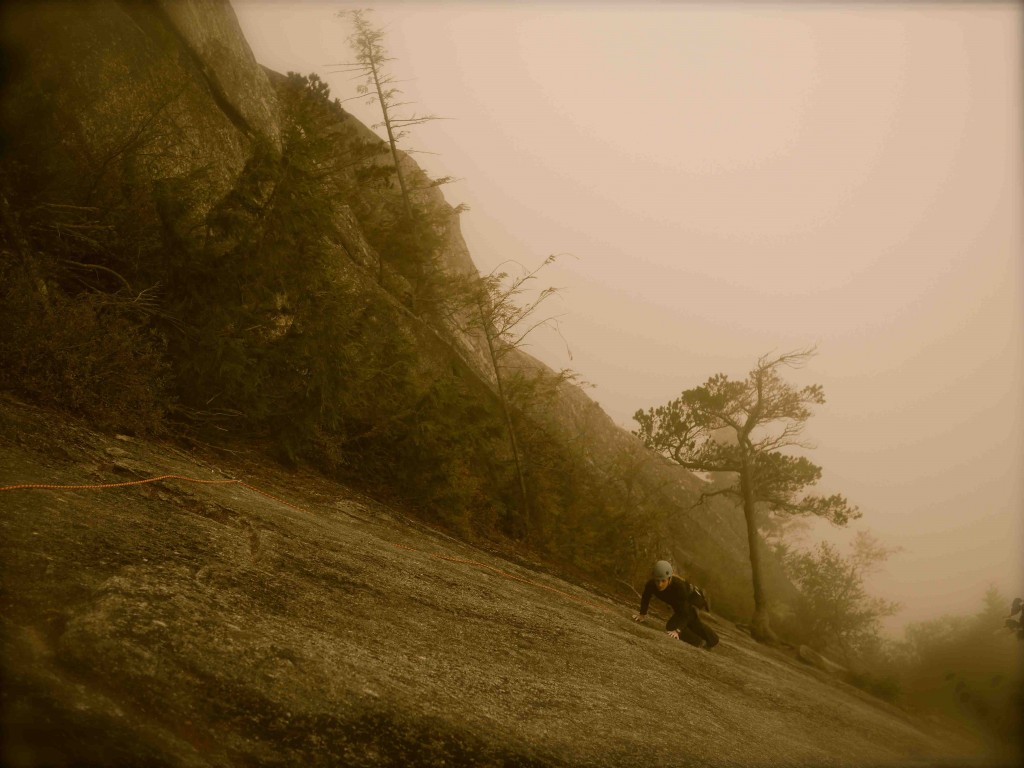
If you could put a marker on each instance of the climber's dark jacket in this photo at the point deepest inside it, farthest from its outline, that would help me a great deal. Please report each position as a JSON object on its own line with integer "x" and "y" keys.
{"x": 678, "y": 594}
{"x": 684, "y": 598}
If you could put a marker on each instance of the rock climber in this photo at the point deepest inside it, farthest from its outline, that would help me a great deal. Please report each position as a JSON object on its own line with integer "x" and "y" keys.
{"x": 684, "y": 599}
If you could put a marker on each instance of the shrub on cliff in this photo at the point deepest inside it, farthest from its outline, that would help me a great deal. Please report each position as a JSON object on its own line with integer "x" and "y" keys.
{"x": 85, "y": 353}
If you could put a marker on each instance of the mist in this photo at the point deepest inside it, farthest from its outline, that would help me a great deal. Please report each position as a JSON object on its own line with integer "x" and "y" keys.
{"x": 727, "y": 181}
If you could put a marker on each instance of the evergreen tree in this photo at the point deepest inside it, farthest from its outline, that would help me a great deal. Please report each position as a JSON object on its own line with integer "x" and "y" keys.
{"x": 371, "y": 59}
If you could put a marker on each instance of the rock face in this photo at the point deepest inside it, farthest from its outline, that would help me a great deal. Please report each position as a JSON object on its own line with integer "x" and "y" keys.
{"x": 161, "y": 103}
{"x": 209, "y": 31}
{"x": 201, "y": 624}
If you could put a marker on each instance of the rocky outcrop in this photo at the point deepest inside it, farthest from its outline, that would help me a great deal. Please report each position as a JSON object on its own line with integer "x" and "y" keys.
{"x": 160, "y": 104}
{"x": 209, "y": 31}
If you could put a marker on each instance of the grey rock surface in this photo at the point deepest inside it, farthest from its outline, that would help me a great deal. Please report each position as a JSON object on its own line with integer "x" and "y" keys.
{"x": 209, "y": 29}
{"x": 291, "y": 621}
{"x": 114, "y": 96}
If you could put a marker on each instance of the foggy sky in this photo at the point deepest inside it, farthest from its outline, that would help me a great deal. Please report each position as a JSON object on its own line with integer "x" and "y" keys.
{"x": 738, "y": 179}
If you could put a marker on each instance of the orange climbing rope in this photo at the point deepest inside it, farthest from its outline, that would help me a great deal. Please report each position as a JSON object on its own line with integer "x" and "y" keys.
{"x": 504, "y": 574}
{"x": 117, "y": 485}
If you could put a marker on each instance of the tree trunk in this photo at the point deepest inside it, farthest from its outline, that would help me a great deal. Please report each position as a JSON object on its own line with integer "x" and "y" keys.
{"x": 513, "y": 442}
{"x": 407, "y": 205}
{"x": 760, "y": 627}
{"x": 503, "y": 401}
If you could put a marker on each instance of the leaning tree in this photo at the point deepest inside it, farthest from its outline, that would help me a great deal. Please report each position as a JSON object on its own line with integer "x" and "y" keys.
{"x": 491, "y": 305}
{"x": 746, "y": 428}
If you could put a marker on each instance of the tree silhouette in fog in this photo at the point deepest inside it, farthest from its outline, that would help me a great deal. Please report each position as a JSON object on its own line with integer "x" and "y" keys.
{"x": 743, "y": 428}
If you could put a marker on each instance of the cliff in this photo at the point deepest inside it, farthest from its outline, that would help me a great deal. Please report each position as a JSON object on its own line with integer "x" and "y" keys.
{"x": 158, "y": 113}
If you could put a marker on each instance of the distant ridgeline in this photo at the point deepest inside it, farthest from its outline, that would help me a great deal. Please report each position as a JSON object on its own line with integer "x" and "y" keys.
{"x": 194, "y": 245}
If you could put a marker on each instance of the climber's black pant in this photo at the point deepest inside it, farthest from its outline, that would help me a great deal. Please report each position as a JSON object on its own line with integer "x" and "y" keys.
{"x": 691, "y": 629}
